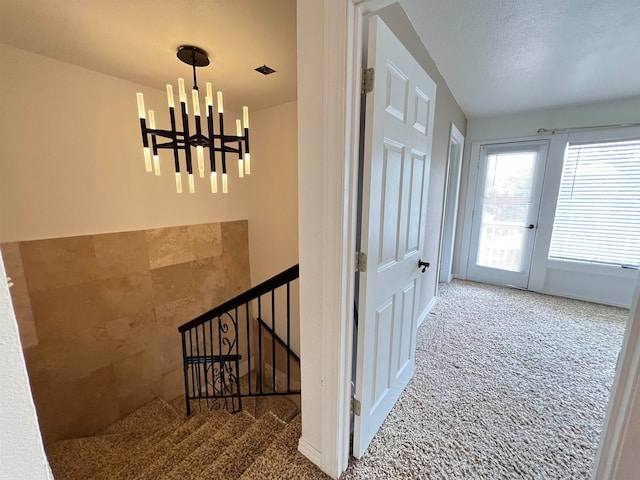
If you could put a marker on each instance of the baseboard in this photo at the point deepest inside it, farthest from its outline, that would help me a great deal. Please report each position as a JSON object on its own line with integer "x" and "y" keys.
{"x": 426, "y": 311}
{"x": 309, "y": 451}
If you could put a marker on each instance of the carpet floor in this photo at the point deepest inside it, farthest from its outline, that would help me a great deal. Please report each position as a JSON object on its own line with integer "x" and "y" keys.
{"x": 508, "y": 385}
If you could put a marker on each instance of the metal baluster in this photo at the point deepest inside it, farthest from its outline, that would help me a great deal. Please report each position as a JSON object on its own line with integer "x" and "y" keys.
{"x": 273, "y": 337}
{"x": 185, "y": 367}
{"x": 220, "y": 370}
{"x": 248, "y": 345}
{"x": 213, "y": 385}
{"x": 204, "y": 364}
{"x": 198, "y": 371}
{"x": 260, "y": 341}
{"x": 193, "y": 379}
{"x": 288, "y": 336}
{"x": 238, "y": 362}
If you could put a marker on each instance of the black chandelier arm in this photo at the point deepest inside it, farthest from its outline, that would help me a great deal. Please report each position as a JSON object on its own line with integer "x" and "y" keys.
{"x": 222, "y": 142}
{"x": 212, "y": 157}
{"x": 246, "y": 140}
{"x": 180, "y": 145}
{"x": 174, "y": 137}
{"x": 185, "y": 125}
{"x": 144, "y": 130}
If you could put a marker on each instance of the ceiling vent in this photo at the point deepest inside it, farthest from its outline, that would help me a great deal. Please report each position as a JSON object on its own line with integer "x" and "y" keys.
{"x": 265, "y": 70}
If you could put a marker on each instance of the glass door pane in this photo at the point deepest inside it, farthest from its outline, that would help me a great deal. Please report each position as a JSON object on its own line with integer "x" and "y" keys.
{"x": 506, "y": 209}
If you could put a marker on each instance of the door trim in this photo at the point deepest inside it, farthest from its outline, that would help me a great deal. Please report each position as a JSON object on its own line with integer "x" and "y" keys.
{"x": 470, "y": 194}
{"x": 495, "y": 275}
{"x": 450, "y": 204}
{"x": 327, "y": 218}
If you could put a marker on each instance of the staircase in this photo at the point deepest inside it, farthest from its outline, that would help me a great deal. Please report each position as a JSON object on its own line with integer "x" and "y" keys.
{"x": 158, "y": 442}
{"x": 239, "y": 373}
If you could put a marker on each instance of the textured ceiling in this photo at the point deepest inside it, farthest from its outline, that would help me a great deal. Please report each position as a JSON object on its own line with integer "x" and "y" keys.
{"x": 137, "y": 40}
{"x": 497, "y": 56}
{"x": 504, "y": 56}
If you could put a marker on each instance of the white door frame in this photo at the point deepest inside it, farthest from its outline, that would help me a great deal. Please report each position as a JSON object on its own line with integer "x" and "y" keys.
{"x": 451, "y": 196}
{"x": 329, "y": 81}
{"x": 330, "y": 39}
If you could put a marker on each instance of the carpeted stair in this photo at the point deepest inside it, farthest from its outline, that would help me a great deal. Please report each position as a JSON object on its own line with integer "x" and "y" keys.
{"x": 158, "y": 442}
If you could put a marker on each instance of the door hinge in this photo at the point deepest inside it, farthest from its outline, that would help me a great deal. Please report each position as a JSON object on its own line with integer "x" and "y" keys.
{"x": 355, "y": 406}
{"x": 361, "y": 262}
{"x": 367, "y": 80}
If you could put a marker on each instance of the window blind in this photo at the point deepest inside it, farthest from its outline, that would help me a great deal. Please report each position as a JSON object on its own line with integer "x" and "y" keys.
{"x": 598, "y": 212}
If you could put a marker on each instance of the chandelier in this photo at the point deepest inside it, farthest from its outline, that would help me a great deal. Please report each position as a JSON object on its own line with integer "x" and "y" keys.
{"x": 211, "y": 144}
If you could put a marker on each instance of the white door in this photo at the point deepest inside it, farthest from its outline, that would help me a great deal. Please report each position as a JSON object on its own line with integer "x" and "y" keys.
{"x": 398, "y": 133}
{"x": 505, "y": 215}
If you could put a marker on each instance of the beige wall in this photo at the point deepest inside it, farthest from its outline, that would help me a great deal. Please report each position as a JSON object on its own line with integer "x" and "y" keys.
{"x": 447, "y": 112}
{"x": 71, "y": 160}
{"x": 273, "y": 205}
{"x": 273, "y": 191}
{"x": 99, "y": 323}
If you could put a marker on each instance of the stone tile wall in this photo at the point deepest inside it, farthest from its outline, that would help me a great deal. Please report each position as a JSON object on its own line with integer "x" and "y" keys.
{"x": 98, "y": 315}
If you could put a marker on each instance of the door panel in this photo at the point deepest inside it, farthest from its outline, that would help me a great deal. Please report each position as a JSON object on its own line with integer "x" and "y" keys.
{"x": 398, "y": 132}
{"x": 391, "y": 203}
{"x": 506, "y": 212}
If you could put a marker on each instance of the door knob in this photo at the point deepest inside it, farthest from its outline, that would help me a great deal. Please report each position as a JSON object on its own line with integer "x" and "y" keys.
{"x": 531, "y": 227}
{"x": 423, "y": 265}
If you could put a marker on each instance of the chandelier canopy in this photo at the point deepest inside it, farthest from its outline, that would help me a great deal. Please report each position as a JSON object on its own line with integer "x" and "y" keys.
{"x": 216, "y": 144}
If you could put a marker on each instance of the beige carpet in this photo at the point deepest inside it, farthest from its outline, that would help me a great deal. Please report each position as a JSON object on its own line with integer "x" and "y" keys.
{"x": 158, "y": 442}
{"x": 508, "y": 385}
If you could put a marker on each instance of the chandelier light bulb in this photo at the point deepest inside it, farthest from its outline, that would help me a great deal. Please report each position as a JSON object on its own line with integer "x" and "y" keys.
{"x": 196, "y": 102}
{"x": 156, "y": 164}
{"x": 209, "y": 98}
{"x": 170, "y": 96}
{"x": 224, "y": 183}
{"x": 181, "y": 91}
{"x": 245, "y": 116}
{"x": 247, "y": 163}
{"x": 147, "y": 159}
{"x": 140, "y": 105}
{"x": 152, "y": 120}
{"x": 240, "y": 168}
{"x": 220, "y": 105}
{"x": 214, "y": 182}
{"x": 200, "y": 152}
{"x": 192, "y": 187}
{"x": 178, "y": 182}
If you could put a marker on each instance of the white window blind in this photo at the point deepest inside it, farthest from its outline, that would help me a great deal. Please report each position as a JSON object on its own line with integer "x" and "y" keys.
{"x": 598, "y": 212}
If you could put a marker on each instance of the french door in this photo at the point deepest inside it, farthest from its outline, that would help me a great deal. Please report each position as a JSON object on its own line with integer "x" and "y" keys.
{"x": 505, "y": 216}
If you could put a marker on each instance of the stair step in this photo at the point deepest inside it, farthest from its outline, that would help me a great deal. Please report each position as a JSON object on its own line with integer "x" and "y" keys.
{"x": 281, "y": 407}
{"x": 81, "y": 458}
{"x": 219, "y": 429}
{"x": 145, "y": 458}
{"x": 145, "y": 419}
{"x": 242, "y": 453}
{"x": 282, "y": 460}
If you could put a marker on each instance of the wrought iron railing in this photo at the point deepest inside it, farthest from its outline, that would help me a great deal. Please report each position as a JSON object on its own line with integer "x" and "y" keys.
{"x": 237, "y": 349}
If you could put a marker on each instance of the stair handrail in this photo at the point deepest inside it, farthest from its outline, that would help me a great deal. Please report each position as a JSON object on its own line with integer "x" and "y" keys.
{"x": 272, "y": 283}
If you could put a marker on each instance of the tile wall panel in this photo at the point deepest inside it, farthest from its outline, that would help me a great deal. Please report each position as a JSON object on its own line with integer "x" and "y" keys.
{"x": 98, "y": 315}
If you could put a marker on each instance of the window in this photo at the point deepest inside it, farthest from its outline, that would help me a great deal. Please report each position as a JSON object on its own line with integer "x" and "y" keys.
{"x": 598, "y": 212}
